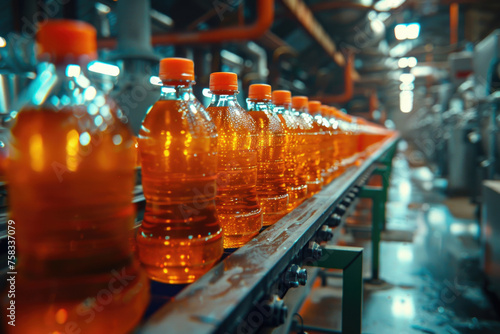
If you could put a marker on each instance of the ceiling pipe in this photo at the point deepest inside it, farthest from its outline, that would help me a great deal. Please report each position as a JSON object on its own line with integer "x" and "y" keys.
{"x": 265, "y": 18}
{"x": 306, "y": 18}
{"x": 332, "y": 5}
{"x": 454, "y": 12}
{"x": 348, "y": 93}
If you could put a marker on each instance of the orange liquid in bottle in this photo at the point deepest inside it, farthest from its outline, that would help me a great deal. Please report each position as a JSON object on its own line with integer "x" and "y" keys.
{"x": 344, "y": 140}
{"x": 237, "y": 205}
{"x": 180, "y": 238}
{"x": 312, "y": 143}
{"x": 337, "y": 144}
{"x": 70, "y": 179}
{"x": 326, "y": 147}
{"x": 295, "y": 162}
{"x": 271, "y": 189}
{"x": 75, "y": 206}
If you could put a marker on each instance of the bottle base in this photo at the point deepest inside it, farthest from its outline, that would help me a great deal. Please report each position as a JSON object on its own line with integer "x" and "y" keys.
{"x": 271, "y": 219}
{"x": 273, "y": 208}
{"x": 296, "y": 196}
{"x": 179, "y": 261}
{"x": 314, "y": 187}
{"x": 241, "y": 228}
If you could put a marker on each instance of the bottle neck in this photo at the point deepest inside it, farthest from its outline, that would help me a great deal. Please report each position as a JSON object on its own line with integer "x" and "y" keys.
{"x": 227, "y": 99}
{"x": 283, "y": 108}
{"x": 259, "y": 105}
{"x": 59, "y": 85}
{"x": 176, "y": 91}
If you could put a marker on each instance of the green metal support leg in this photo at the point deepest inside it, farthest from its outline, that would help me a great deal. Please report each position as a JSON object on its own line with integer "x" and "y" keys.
{"x": 376, "y": 194}
{"x": 379, "y": 197}
{"x": 350, "y": 260}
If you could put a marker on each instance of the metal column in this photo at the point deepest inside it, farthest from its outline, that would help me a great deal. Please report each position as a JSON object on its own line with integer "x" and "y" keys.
{"x": 378, "y": 195}
{"x": 350, "y": 260}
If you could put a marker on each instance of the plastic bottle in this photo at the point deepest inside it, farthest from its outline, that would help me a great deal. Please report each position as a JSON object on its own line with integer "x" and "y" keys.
{"x": 313, "y": 140}
{"x": 326, "y": 147}
{"x": 337, "y": 142}
{"x": 295, "y": 148}
{"x": 271, "y": 189}
{"x": 70, "y": 182}
{"x": 180, "y": 238}
{"x": 237, "y": 205}
{"x": 330, "y": 152}
{"x": 345, "y": 138}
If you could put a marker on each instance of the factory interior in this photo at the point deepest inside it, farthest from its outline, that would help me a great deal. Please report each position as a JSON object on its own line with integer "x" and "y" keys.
{"x": 250, "y": 166}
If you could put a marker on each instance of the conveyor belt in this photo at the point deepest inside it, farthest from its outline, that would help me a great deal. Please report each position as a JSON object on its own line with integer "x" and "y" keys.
{"x": 222, "y": 298}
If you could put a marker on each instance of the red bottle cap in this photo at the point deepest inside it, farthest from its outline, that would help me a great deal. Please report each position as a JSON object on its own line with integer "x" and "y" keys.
{"x": 259, "y": 92}
{"x": 223, "y": 81}
{"x": 177, "y": 69}
{"x": 62, "y": 39}
{"x": 281, "y": 97}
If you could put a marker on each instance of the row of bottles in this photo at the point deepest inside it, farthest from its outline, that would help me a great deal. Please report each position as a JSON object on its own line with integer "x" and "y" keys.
{"x": 212, "y": 178}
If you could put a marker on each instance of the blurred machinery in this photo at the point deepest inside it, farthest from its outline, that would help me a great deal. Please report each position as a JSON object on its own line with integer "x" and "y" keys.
{"x": 459, "y": 133}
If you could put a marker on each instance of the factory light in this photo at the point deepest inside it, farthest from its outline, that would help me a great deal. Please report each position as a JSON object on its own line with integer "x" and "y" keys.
{"x": 406, "y": 101}
{"x": 412, "y": 30}
{"x": 232, "y": 57}
{"x": 406, "y": 78}
{"x": 154, "y": 80}
{"x": 407, "y": 31}
{"x": 103, "y": 68}
{"x": 403, "y": 62}
{"x": 386, "y": 5}
{"x": 206, "y": 92}
{"x": 406, "y": 86}
{"x": 73, "y": 70}
{"x": 400, "y": 31}
{"x": 102, "y": 8}
{"x": 407, "y": 62}
{"x": 377, "y": 26}
{"x": 3, "y": 42}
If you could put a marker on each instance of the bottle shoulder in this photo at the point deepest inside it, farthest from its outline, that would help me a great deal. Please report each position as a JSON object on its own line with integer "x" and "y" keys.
{"x": 232, "y": 118}
{"x": 56, "y": 92}
{"x": 177, "y": 116}
{"x": 267, "y": 121}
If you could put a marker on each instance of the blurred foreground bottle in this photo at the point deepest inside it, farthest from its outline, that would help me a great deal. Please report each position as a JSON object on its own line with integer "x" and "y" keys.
{"x": 70, "y": 180}
{"x": 180, "y": 238}
{"x": 313, "y": 140}
{"x": 295, "y": 148}
{"x": 271, "y": 188}
{"x": 237, "y": 205}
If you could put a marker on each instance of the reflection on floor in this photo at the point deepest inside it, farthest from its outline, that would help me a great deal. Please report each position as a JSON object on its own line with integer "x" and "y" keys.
{"x": 429, "y": 263}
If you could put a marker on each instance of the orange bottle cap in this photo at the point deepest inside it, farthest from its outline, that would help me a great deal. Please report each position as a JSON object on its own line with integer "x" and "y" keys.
{"x": 259, "y": 92}
{"x": 281, "y": 97}
{"x": 223, "y": 81}
{"x": 177, "y": 69}
{"x": 314, "y": 106}
{"x": 62, "y": 39}
{"x": 299, "y": 102}
{"x": 325, "y": 110}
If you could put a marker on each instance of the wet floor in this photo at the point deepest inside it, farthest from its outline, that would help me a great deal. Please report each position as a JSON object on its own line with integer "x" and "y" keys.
{"x": 429, "y": 265}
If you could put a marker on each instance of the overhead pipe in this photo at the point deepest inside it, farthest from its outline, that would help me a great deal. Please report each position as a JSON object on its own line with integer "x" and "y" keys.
{"x": 332, "y": 5}
{"x": 454, "y": 12}
{"x": 306, "y": 18}
{"x": 348, "y": 93}
{"x": 265, "y": 18}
